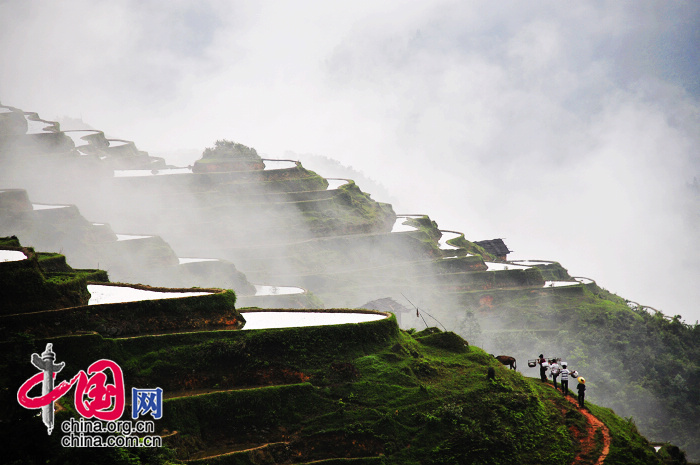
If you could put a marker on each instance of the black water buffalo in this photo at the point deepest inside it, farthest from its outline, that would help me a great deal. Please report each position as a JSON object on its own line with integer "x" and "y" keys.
{"x": 507, "y": 360}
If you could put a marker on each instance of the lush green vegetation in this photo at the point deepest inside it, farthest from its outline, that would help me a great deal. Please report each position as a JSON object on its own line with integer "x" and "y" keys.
{"x": 228, "y": 156}
{"x": 364, "y": 393}
{"x": 27, "y": 286}
{"x": 392, "y": 398}
{"x": 471, "y": 247}
{"x": 624, "y": 434}
{"x": 9, "y": 242}
{"x": 349, "y": 211}
{"x": 642, "y": 364}
{"x": 129, "y": 318}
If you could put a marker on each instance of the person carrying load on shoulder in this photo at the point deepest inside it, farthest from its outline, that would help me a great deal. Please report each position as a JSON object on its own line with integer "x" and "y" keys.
{"x": 564, "y": 372}
{"x": 543, "y": 368}
{"x": 554, "y": 370}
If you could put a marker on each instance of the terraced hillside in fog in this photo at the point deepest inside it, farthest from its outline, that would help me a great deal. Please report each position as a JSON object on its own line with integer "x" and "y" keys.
{"x": 349, "y": 392}
{"x": 283, "y": 236}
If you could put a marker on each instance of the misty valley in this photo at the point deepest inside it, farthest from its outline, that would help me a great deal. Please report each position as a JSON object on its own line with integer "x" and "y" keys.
{"x": 293, "y": 318}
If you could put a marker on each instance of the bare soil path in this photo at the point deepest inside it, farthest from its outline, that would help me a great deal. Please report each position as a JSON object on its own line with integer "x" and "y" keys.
{"x": 588, "y": 442}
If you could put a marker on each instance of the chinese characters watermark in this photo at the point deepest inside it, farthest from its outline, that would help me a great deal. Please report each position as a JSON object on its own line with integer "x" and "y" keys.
{"x": 96, "y": 397}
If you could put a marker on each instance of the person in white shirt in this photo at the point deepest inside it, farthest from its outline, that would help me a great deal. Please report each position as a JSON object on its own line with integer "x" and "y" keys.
{"x": 554, "y": 370}
{"x": 564, "y": 379}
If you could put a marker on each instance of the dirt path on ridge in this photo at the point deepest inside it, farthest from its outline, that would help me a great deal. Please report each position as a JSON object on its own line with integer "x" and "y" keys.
{"x": 588, "y": 443}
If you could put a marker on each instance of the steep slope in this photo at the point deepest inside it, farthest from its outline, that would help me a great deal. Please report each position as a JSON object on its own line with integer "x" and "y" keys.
{"x": 31, "y": 281}
{"x": 346, "y": 393}
{"x": 128, "y": 257}
{"x": 287, "y": 225}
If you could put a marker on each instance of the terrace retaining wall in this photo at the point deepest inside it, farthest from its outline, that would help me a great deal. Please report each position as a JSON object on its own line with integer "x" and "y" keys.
{"x": 132, "y": 318}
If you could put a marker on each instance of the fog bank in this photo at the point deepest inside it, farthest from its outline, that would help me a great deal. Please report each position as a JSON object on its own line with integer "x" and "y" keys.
{"x": 569, "y": 130}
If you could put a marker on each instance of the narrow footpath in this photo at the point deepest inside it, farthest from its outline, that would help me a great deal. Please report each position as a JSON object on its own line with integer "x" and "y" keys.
{"x": 588, "y": 442}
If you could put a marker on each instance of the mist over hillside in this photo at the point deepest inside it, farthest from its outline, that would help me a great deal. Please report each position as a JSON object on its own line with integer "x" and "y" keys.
{"x": 331, "y": 168}
{"x": 572, "y": 131}
{"x": 250, "y": 219}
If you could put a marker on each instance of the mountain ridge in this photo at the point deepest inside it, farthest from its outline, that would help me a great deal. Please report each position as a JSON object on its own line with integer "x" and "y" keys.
{"x": 490, "y": 300}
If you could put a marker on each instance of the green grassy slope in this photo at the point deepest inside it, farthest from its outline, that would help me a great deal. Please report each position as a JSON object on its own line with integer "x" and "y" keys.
{"x": 639, "y": 363}
{"x": 352, "y": 393}
{"x": 281, "y": 225}
{"x": 366, "y": 392}
{"x": 41, "y": 282}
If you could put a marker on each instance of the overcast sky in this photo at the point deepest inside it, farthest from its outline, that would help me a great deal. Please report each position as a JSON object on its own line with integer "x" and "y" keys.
{"x": 571, "y": 129}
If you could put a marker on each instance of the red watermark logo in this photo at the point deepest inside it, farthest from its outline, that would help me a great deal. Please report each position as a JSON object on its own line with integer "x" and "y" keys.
{"x": 99, "y": 397}
{"x": 95, "y": 397}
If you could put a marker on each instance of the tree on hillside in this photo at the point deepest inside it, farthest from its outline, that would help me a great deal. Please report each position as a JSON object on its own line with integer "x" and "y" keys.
{"x": 227, "y": 149}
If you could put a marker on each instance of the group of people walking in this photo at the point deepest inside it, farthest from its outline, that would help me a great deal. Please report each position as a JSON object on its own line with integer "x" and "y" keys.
{"x": 562, "y": 371}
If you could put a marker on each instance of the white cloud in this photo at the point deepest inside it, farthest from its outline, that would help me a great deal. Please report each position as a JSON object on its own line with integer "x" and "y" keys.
{"x": 562, "y": 127}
